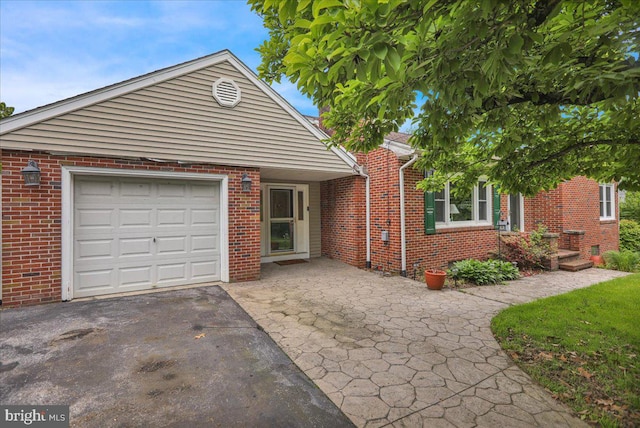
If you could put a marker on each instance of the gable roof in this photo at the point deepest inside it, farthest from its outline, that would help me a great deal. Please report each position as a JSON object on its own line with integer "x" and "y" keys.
{"x": 211, "y": 135}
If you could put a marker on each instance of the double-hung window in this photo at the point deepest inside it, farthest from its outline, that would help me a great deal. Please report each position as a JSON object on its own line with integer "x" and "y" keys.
{"x": 607, "y": 202}
{"x": 463, "y": 208}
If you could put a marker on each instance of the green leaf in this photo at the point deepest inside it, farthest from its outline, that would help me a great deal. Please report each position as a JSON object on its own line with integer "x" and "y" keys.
{"x": 303, "y": 23}
{"x": 380, "y": 50}
{"x": 324, "y": 4}
{"x": 394, "y": 58}
{"x": 515, "y": 43}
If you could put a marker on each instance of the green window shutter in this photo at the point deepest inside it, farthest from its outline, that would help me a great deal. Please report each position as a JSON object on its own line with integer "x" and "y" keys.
{"x": 496, "y": 207}
{"x": 429, "y": 213}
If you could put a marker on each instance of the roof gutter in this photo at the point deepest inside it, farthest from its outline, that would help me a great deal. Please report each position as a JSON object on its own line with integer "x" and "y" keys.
{"x": 403, "y": 244}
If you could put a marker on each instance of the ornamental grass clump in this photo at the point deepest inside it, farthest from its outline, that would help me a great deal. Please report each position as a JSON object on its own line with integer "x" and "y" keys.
{"x": 483, "y": 273}
{"x": 625, "y": 260}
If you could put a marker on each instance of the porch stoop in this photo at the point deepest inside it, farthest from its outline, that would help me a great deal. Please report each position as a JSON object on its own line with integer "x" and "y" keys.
{"x": 571, "y": 261}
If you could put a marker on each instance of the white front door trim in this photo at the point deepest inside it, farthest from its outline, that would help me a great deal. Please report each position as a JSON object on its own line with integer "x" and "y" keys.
{"x": 67, "y": 181}
{"x": 301, "y": 235}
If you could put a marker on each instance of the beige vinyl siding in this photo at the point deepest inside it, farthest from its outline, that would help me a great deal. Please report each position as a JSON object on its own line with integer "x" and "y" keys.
{"x": 315, "y": 244}
{"x": 178, "y": 119}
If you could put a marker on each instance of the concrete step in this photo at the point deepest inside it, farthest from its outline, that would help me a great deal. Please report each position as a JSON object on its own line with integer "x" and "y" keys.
{"x": 567, "y": 254}
{"x": 576, "y": 265}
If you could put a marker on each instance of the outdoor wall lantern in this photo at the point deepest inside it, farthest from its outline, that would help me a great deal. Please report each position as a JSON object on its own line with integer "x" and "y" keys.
{"x": 31, "y": 174}
{"x": 246, "y": 183}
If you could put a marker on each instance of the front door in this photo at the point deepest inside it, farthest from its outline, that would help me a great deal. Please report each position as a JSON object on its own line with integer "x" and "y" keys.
{"x": 284, "y": 221}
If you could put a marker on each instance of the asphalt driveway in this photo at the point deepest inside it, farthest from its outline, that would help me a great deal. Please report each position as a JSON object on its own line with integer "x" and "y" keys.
{"x": 179, "y": 358}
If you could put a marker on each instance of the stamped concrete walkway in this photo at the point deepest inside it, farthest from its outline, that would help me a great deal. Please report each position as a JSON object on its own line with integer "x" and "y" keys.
{"x": 390, "y": 352}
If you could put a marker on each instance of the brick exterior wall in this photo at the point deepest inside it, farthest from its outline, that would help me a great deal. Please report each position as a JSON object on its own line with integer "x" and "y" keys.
{"x": 447, "y": 245}
{"x": 343, "y": 221}
{"x": 574, "y": 206}
{"x": 544, "y": 209}
{"x": 382, "y": 166}
{"x": 31, "y": 222}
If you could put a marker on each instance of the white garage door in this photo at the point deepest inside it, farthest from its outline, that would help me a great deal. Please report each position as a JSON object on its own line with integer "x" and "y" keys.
{"x": 139, "y": 233}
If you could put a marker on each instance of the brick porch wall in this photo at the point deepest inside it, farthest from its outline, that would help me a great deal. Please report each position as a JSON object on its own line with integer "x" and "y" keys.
{"x": 31, "y": 222}
{"x": 343, "y": 221}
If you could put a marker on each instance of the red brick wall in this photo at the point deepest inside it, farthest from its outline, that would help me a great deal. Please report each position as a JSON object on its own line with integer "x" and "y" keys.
{"x": 343, "y": 220}
{"x": 581, "y": 211}
{"x": 429, "y": 251}
{"x": 383, "y": 166}
{"x": 574, "y": 205}
{"x": 447, "y": 245}
{"x": 31, "y": 231}
{"x": 544, "y": 209}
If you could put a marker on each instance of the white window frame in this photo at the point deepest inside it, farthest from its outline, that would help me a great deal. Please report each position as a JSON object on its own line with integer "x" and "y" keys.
{"x": 448, "y": 223}
{"x": 602, "y": 197}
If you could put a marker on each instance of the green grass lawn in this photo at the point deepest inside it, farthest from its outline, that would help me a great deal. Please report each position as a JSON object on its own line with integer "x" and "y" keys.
{"x": 582, "y": 346}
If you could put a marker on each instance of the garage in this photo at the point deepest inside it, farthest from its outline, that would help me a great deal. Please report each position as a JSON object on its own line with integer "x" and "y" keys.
{"x": 139, "y": 233}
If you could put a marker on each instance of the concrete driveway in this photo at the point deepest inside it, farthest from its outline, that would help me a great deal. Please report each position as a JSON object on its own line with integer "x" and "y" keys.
{"x": 187, "y": 358}
{"x": 390, "y": 352}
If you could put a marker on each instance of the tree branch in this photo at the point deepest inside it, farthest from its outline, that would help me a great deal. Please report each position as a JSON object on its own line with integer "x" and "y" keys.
{"x": 581, "y": 145}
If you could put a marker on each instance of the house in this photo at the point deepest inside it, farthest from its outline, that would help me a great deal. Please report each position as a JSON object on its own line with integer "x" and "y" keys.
{"x": 141, "y": 185}
{"x": 411, "y": 229}
{"x": 200, "y": 172}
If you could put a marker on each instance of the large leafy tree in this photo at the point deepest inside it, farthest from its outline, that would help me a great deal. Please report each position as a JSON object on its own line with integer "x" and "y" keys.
{"x": 526, "y": 92}
{"x": 5, "y": 111}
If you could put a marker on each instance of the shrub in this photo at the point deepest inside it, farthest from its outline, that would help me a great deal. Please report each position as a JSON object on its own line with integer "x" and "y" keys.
{"x": 630, "y": 208}
{"x": 483, "y": 273}
{"x": 625, "y": 260}
{"x": 629, "y": 235}
{"x": 528, "y": 251}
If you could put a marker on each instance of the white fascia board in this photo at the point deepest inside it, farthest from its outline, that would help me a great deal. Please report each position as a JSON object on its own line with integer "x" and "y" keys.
{"x": 402, "y": 150}
{"x": 68, "y": 105}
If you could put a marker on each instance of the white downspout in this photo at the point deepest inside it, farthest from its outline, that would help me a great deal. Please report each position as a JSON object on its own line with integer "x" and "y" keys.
{"x": 403, "y": 244}
{"x": 361, "y": 170}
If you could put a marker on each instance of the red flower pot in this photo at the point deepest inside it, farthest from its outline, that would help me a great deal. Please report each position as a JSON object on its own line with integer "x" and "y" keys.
{"x": 434, "y": 279}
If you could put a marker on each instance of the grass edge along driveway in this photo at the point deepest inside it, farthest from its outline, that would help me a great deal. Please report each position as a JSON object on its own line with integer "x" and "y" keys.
{"x": 583, "y": 347}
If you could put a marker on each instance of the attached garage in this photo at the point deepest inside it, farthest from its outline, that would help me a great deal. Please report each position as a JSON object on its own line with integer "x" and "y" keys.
{"x": 131, "y": 233}
{"x": 142, "y": 184}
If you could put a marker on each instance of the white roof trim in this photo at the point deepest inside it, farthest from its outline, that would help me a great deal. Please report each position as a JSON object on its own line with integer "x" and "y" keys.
{"x": 400, "y": 149}
{"x": 68, "y": 105}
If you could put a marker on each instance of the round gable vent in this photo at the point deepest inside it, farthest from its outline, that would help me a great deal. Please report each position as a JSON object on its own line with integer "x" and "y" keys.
{"x": 226, "y": 92}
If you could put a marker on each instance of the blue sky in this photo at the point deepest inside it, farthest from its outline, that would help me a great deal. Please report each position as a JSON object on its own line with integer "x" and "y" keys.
{"x": 51, "y": 50}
